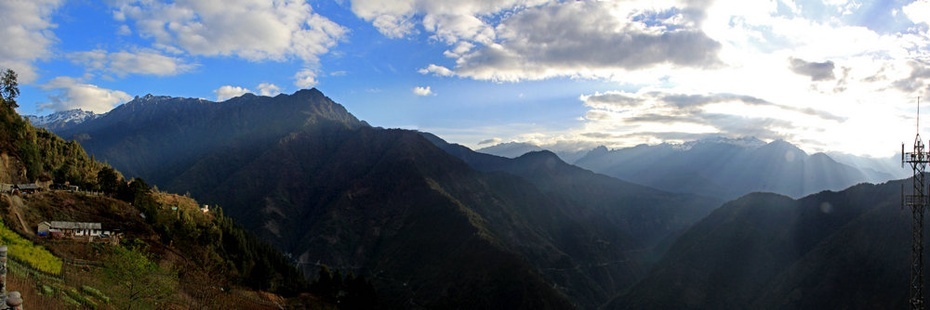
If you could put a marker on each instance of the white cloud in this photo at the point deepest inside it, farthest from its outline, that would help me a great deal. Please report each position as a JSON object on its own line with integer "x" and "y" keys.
{"x": 268, "y": 89}
{"x": 918, "y": 11}
{"x": 391, "y": 18}
{"x": 73, "y": 93}
{"x": 26, "y": 29}
{"x": 121, "y": 64}
{"x": 124, "y": 30}
{"x": 447, "y": 19}
{"x": 305, "y": 78}
{"x": 254, "y": 30}
{"x": 226, "y": 92}
{"x": 436, "y": 70}
{"x": 532, "y": 40}
{"x": 422, "y": 91}
{"x": 590, "y": 40}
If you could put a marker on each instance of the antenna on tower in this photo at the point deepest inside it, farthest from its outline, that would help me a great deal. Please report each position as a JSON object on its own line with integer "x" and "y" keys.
{"x": 918, "y": 160}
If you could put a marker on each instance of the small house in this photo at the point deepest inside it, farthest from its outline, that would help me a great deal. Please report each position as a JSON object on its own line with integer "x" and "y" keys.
{"x": 64, "y": 187}
{"x": 27, "y": 188}
{"x": 44, "y": 228}
{"x": 74, "y": 229}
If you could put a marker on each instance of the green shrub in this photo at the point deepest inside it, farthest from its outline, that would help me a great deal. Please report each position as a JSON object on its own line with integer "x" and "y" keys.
{"x": 75, "y": 295}
{"x": 95, "y": 293}
{"x": 69, "y": 301}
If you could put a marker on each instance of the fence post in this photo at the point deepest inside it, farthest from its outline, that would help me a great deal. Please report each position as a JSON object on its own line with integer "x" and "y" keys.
{"x": 13, "y": 300}
{"x": 3, "y": 253}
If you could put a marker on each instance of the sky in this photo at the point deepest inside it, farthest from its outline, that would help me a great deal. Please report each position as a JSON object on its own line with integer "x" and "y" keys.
{"x": 833, "y": 75}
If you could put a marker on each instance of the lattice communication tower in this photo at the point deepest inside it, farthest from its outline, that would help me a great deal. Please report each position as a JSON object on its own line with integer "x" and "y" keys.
{"x": 917, "y": 201}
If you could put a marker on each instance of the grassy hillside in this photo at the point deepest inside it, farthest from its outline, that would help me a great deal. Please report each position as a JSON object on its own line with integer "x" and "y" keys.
{"x": 197, "y": 250}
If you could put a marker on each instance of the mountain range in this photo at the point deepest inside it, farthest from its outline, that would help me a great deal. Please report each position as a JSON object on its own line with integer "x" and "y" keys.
{"x": 722, "y": 167}
{"x": 729, "y": 167}
{"x": 433, "y": 224}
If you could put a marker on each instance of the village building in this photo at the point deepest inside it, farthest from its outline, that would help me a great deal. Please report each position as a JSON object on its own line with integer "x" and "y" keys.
{"x": 64, "y": 187}
{"x": 71, "y": 229}
{"x": 26, "y": 188}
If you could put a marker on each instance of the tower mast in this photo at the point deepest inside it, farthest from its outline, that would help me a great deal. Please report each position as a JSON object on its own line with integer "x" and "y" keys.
{"x": 917, "y": 201}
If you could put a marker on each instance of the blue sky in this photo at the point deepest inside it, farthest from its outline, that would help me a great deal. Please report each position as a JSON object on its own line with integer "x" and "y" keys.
{"x": 829, "y": 75}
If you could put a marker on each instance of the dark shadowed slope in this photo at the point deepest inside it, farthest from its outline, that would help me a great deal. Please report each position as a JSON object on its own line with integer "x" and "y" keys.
{"x": 647, "y": 214}
{"x": 845, "y": 249}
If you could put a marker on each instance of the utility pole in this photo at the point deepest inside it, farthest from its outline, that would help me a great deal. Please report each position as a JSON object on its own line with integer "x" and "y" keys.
{"x": 917, "y": 201}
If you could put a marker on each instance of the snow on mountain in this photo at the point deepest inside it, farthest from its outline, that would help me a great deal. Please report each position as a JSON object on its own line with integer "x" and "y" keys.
{"x": 62, "y": 119}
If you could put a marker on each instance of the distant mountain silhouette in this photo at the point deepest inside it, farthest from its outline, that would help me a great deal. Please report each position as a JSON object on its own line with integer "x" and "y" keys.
{"x": 727, "y": 168}
{"x": 510, "y": 149}
{"x": 430, "y": 229}
{"x": 517, "y": 149}
{"x": 831, "y": 250}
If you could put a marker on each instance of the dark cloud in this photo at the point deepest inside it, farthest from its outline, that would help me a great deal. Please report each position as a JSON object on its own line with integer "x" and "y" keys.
{"x": 687, "y": 109}
{"x": 687, "y": 105}
{"x": 662, "y": 118}
{"x": 728, "y": 124}
{"x": 617, "y": 99}
{"x": 596, "y": 115}
{"x": 878, "y": 76}
{"x": 683, "y": 101}
{"x": 920, "y": 72}
{"x": 599, "y": 135}
{"x": 817, "y": 71}
{"x": 489, "y": 141}
{"x": 843, "y": 81}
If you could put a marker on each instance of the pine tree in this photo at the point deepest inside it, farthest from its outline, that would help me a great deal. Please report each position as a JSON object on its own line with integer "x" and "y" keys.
{"x": 9, "y": 88}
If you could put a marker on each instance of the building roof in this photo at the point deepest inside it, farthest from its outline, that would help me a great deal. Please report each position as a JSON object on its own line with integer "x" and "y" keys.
{"x": 30, "y": 186}
{"x": 74, "y": 225}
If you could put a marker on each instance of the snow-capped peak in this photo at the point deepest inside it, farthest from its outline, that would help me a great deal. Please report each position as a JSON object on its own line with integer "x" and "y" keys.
{"x": 62, "y": 119}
